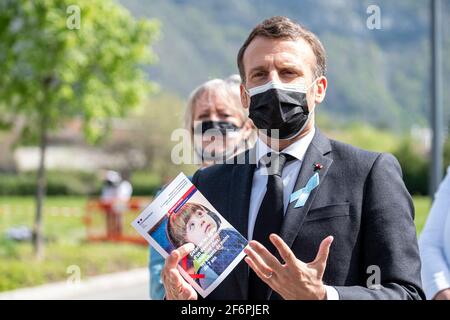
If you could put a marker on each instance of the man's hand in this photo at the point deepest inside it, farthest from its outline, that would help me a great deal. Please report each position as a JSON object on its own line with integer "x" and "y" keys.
{"x": 443, "y": 295}
{"x": 293, "y": 280}
{"x": 176, "y": 287}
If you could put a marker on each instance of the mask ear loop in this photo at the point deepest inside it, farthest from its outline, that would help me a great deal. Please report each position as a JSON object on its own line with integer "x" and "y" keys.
{"x": 313, "y": 83}
{"x": 309, "y": 87}
{"x": 309, "y": 114}
{"x": 248, "y": 97}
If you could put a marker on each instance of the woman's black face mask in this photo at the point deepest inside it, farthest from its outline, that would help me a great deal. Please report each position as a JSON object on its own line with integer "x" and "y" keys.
{"x": 215, "y": 127}
{"x": 279, "y": 108}
{"x": 215, "y": 131}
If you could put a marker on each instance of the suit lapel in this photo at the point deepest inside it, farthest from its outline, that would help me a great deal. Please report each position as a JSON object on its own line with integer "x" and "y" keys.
{"x": 316, "y": 153}
{"x": 239, "y": 204}
{"x": 293, "y": 220}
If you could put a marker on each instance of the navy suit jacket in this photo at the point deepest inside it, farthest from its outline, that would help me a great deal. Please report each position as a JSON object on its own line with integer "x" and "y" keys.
{"x": 361, "y": 200}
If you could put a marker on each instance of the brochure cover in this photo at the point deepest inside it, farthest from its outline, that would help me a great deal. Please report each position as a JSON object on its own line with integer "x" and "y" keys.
{"x": 181, "y": 214}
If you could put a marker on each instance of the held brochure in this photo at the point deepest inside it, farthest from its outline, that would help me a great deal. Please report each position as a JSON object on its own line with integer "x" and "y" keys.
{"x": 181, "y": 214}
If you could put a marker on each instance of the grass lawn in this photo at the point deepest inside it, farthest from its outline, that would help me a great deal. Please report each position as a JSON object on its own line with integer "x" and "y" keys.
{"x": 66, "y": 245}
{"x": 422, "y": 205}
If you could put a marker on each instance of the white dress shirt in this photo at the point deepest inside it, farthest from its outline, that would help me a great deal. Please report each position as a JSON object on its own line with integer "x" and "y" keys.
{"x": 289, "y": 177}
{"x": 434, "y": 243}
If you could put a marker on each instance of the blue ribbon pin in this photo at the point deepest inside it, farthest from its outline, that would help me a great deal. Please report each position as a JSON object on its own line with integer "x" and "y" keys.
{"x": 302, "y": 194}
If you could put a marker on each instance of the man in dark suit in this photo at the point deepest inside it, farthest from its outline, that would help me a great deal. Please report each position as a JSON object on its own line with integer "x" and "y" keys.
{"x": 303, "y": 197}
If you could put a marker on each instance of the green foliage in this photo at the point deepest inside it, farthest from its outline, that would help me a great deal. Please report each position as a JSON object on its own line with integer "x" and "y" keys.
{"x": 58, "y": 183}
{"x": 422, "y": 207}
{"x": 51, "y": 73}
{"x": 366, "y": 137}
{"x": 412, "y": 157}
{"x": 414, "y": 166}
{"x": 59, "y": 61}
{"x": 71, "y": 183}
{"x": 145, "y": 183}
{"x": 155, "y": 123}
{"x": 447, "y": 153}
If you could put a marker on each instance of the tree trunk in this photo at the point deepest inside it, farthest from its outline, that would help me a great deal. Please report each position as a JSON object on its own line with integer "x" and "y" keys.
{"x": 38, "y": 238}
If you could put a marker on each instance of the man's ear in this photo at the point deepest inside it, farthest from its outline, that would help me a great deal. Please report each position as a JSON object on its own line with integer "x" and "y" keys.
{"x": 245, "y": 99}
{"x": 248, "y": 128}
{"x": 320, "y": 89}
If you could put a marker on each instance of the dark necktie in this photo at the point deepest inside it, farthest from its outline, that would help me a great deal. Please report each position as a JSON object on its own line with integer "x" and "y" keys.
{"x": 270, "y": 218}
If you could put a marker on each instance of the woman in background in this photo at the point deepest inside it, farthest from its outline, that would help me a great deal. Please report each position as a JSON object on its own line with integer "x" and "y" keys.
{"x": 214, "y": 106}
{"x": 434, "y": 245}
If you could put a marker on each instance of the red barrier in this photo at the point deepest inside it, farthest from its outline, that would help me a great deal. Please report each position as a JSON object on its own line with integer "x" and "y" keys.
{"x": 114, "y": 213}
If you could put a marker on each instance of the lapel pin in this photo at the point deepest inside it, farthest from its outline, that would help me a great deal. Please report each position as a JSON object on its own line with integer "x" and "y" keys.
{"x": 317, "y": 167}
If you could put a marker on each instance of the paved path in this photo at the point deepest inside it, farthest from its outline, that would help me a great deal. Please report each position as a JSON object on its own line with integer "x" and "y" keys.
{"x": 128, "y": 285}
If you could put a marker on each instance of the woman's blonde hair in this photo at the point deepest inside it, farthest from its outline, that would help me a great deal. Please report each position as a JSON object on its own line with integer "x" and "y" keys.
{"x": 229, "y": 88}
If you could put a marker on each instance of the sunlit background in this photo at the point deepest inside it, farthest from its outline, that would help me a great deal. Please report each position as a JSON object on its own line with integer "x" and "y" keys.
{"x": 106, "y": 94}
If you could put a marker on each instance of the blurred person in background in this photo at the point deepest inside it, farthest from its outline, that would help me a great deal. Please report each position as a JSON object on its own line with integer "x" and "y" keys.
{"x": 434, "y": 244}
{"x": 115, "y": 195}
{"x": 125, "y": 189}
{"x": 214, "y": 110}
{"x": 111, "y": 182}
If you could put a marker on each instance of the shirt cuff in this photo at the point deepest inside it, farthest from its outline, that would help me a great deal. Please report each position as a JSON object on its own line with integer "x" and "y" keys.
{"x": 332, "y": 293}
{"x": 440, "y": 282}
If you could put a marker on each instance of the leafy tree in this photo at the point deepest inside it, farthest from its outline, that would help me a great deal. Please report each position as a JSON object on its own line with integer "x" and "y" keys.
{"x": 60, "y": 61}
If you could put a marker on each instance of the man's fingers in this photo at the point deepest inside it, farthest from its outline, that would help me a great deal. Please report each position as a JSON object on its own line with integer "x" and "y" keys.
{"x": 185, "y": 249}
{"x": 258, "y": 261}
{"x": 265, "y": 254}
{"x": 172, "y": 260}
{"x": 259, "y": 273}
{"x": 175, "y": 283}
{"x": 322, "y": 254}
{"x": 185, "y": 294}
{"x": 283, "y": 249}
{"x": 324, "y": 250}
{"x": 178, "y": 288}
{"x": 175, "y": 278}
{"x": 176, "y": 255}
{"x": 172, "y": 279}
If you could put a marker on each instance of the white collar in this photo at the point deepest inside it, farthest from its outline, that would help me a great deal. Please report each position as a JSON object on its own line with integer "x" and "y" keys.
{"x": 297, "y": 149}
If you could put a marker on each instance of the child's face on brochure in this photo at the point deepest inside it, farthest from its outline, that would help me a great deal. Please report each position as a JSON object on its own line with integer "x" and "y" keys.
{"x": 200, "y": 226}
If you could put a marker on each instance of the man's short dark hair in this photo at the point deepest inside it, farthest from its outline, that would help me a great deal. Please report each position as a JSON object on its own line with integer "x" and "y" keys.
{"x": 283, "y": 28}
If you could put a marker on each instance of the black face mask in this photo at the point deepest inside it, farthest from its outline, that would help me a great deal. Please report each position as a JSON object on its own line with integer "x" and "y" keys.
{"x": 279, "y": 106}
{"x": 215, "y": 127}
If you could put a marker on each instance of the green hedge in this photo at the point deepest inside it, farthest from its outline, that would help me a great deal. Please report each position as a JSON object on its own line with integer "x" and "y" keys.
{"x": 72, "y": 183}
{"x": 58, "y": 183}
{"x": 145, "y": 183}
{"x": 414, "y": 167}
